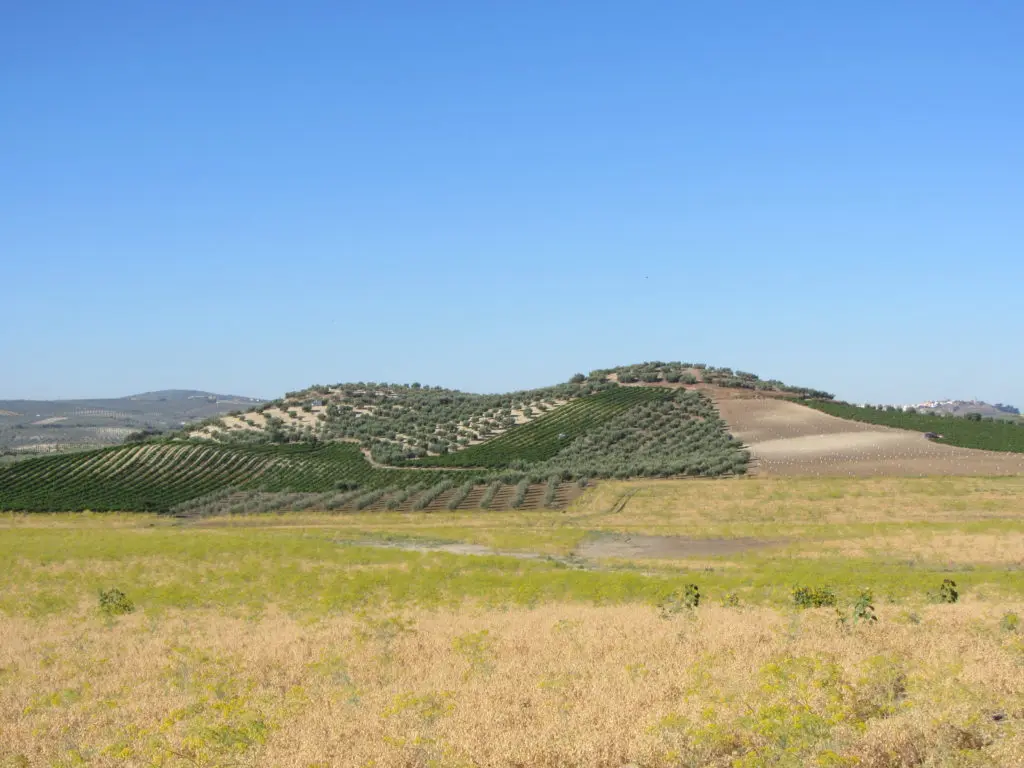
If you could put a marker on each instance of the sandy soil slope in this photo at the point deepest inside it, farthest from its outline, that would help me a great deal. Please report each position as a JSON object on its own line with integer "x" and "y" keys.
{"x": 790, "y": 439}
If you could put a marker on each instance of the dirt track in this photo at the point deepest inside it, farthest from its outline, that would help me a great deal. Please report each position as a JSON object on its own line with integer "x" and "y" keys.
{"x": 790, "y": 439}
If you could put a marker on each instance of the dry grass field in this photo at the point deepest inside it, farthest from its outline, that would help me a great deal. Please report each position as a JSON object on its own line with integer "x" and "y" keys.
{"x": 528, "y": 638}
{"x": 786, "y": 438}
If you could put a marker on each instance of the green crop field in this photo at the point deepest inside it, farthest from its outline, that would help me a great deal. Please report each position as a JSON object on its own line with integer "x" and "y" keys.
{"x": 158, "y": 476}
{"x": 996, "y": 435}
{"x": 544, "y": 438}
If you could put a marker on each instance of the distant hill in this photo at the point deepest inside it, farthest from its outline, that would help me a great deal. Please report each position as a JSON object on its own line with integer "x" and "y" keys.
{"x": 174, "y": 395}
{"x": 41, "y": 426}
{"x": 964, "y": 407}
{"x": 960, "y": 408}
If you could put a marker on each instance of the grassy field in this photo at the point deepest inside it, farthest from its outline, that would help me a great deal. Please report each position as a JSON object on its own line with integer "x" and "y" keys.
{"x": 528, "y": 638}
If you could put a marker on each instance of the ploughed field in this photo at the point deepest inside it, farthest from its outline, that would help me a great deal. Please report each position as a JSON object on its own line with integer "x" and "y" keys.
{"x": 787, "y": 438}
{"x": 722, "y": 622}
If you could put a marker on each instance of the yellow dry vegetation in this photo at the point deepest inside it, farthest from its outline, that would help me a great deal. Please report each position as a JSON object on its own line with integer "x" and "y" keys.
{"x": 313, "y": 640}
{"x": 558, "y": 685}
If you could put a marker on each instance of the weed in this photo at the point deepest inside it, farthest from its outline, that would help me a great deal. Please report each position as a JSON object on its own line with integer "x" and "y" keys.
{"x": 477, "y": 649}
{"x": 1010, "y": 622}
{"x": 114, "y": 602}
{"x": 947, "y": 592}
{"x": 864, "y": 608}
{"x": 678, "y": 601}
{"x": 814, "y": 597}
{"x": 879, "y": 691}
{"x": 427, "y": 707}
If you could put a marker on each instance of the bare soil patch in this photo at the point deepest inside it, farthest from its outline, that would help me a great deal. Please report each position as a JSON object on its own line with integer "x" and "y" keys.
{"x": 50, "y": 420}
{"x": 455, "y": 548}
{"x": 603, "y": 546}
{"x": 636, "y": 545}
{"x": 786, "y": 438}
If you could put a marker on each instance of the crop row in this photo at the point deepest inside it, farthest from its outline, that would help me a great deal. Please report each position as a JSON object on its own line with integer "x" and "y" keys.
{"x": 158, "y": 476}
{"x": 542, "y": 438}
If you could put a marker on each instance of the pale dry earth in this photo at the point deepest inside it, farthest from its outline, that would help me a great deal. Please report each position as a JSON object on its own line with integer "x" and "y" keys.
{"x": 786, "y": 438}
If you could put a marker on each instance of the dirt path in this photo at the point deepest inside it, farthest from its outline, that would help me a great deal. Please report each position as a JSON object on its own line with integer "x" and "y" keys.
{"x": 786, "y": 438}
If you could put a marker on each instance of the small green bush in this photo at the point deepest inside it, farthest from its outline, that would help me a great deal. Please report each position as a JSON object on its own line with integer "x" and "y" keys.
{"x": 114, "y": 602}
{"x": 947, "y": 593}
{"x": 864, "y": 608}
{"x": 1010, "y": 622}
{"x": 685, "y": 600}
{"x": 814, "y": 597}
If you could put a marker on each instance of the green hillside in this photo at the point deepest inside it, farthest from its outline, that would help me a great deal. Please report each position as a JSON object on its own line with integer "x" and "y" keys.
{"x": 431, "y": 438}
{"x": 158, "y": 476}
{"x": 543, "y": 438}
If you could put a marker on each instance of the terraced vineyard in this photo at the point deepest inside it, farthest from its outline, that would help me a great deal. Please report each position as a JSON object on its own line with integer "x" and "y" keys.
{"x": 542, "y": 439}
{"x": 158, "y": 476}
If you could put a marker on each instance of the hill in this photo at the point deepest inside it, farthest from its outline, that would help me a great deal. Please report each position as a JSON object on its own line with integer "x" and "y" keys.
{"x": 44, "y": 426}
{"x": 407, "y": 446}
{"x": 397, "y": 422}
{"x": 176, "y": 395}
{"x": 364, "y": 444}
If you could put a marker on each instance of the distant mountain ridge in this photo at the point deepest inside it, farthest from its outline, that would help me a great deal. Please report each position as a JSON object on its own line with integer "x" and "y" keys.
{"x": 40, "y": 426}
{"x": 962, "y": 408}
{"x": 189, "y": 394}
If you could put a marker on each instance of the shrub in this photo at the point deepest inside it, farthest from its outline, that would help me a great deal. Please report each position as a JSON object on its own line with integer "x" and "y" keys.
{"x": 550, "y": 491}
{"x": 520, "y": 496}
{"x": 460, "y": 495}
{"x": 431, "y": 493}
{"x": 814, "y": 597}
{"x": 369, "y": 499}
{"x": 114, "y": 602}
{"x": 947, "y": 593}
{"x": 864, "y": 608}
{"x": 686, "y": 599}
{"x": 1010, "y": 622}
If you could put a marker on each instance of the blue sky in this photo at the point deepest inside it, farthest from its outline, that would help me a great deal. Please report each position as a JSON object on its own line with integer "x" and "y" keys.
{"x": 253, "y": 197}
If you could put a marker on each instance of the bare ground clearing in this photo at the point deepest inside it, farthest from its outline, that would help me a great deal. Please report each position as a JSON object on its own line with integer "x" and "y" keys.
{"x": 786, "y": 438}
{"x": 636, "y": 545}
{"x": 599, "y": 546}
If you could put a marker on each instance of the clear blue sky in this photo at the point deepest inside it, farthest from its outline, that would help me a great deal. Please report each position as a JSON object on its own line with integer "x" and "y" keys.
{"x": 253, "y": 197}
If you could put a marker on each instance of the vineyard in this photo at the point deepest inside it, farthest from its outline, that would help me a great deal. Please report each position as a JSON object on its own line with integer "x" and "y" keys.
{"x": 157, "y": 476}
{"x": 988, "y": 434}
{"x": 544, "y": 438}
